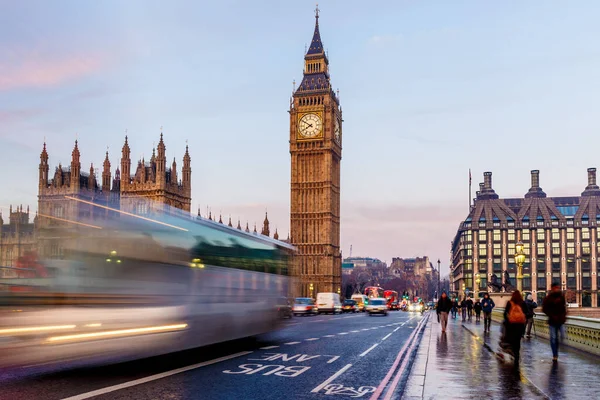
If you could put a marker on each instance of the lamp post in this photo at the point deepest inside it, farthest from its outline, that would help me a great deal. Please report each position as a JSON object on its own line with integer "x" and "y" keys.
{"x": 439, "y": 291}
{"x": 478, "y": 282}
{"x": 311, "y": 287}
{"x": 519, "y": 259}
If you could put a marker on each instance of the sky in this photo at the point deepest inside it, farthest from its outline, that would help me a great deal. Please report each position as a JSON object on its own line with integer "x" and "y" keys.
{"x": 429, "y": 89}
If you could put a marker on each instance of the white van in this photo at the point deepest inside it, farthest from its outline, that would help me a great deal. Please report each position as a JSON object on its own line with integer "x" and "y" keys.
{"x": 329, "y": 302}
{"x": 361, "y": 301}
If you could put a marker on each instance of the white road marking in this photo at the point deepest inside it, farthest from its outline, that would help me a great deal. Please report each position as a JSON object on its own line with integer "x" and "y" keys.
{"x": 364, "y": 353}
{"x": 291, "y": 343}
{"x": 151, "y": 378}
{"x": 387, "y": 336}
{"x": 366, "y": 329}
{"x": 333, "y": 359}
{"x": 311, "y": 339}
{"x": 343, "y": 333}
{"x": 354, "y": 331}
{"x": 331, "y": 378}
{"x": 329, "y": 336}
{"x": 396, "y": 329}
{"x": 269, "y": 347}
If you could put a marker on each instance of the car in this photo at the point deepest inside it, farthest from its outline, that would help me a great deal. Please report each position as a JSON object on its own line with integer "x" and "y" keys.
{"x": 377, "y": 306}
{"x": 394, "y": 306}
{"x": 284, "y": 309}
{"x": 304, "y": 306}
{"x": 361, "y": 301}
{"x": 415, "y": 307}
{"x": 329, "y": 303}
{"x": 349, "y": 306}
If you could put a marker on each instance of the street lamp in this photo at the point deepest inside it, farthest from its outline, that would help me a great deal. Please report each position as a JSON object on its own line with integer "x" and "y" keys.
{"x": 478, "y": 281}
{"x": 520, "y": 259}
{"x": 311, "y": 287}
{"x": 439, "y": 277}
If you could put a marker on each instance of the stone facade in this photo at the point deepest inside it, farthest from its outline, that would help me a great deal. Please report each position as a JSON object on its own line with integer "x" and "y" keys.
{"x": 75, "y": 198}
{"x": 561, "y": 238}
{"x": 316, "y": 152}
{"x": 17, "y": 239}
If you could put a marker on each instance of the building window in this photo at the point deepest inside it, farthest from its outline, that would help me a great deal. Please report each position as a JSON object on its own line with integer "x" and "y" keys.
{"x": 555, "y": 249}
{"x": 497, "y": 236}
{"x": 585, "y": 250}
{"x": 482, "y": 236}
{"x": 555, "y": 234}
{"x": 525, "y": 235}
{"x": 482, "y": 252}
{"x": 482, "y": 284}
{"x": 142, "y": 209}
{"x": 570, "y": 248}
{"x": 541, "y": 282}
{"x": 540, "y": 235}
{"x": 571, "y": 282}
{"x": 497, "y": 249}
{"x": 526, "y": 283}
{"x": 58, "y": 212}
{"x": 497, "y": 267}
{"x": 541, "y": 249}
{"x": 511, "y": 249}
{"x": 586, "y": 299}
{"x": 541, "y": 266}
{"x": 570, "y": 234}
{"x": 586, "y": 283}
{"x": 511, "y": 235}
{"x": 585, "y": 233}
{"x": 483, "y": 266}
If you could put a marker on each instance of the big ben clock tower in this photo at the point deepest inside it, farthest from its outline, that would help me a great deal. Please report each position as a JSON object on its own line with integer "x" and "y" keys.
{"x": 316, "y": 152}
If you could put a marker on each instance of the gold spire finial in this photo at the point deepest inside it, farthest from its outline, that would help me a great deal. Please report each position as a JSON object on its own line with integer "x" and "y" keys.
{"x": 317, "y": 11}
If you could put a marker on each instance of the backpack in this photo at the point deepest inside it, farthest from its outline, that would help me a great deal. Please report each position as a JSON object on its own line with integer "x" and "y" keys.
{"x": 516, "y": 314}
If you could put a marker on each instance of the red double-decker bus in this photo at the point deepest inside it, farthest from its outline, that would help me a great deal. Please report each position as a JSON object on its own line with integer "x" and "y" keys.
{"x": 391, "y": 297}
{"x": 373, "y": 292}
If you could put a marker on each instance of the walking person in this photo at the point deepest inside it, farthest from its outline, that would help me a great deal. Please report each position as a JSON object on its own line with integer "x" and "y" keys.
{"x": 530, "y": 306}
{"x": 470, "y": 308}
{"x": 444, "y": 306}
{"x": 454, "y": 308}
{"x": 555, "y": 307}
{"x": 487, "y": 305}
{"x": 514, "y": 324}
{"x": 477, "y": 308}
{"x": 463, "y": 309}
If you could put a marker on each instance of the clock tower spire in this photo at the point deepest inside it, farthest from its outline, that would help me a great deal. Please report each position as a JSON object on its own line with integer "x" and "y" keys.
{"x": 316, "y": 152}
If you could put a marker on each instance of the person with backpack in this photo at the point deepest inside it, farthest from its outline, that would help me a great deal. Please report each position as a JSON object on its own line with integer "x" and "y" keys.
{"x": 555, "y": 307}
{"x": 463, "y": 309}
{"x": 454, "y": 307}
{"x": 530, "y": 306}
{"x": 487, "y": 305}
{"x": 477, "y": 308}
{"x": 514, "y": 324}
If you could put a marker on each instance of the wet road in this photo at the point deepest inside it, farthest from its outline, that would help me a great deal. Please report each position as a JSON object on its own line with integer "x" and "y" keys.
{"x": 344, "y": 356}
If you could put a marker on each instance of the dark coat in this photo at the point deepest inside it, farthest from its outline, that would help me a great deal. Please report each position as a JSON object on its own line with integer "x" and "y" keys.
{"x": 555, "y": 307}
{"x": 444, "y": 305}
{"x": 530, "y": 305}
{"x": 487, "y": 305}
{"x": 477, "y": 307}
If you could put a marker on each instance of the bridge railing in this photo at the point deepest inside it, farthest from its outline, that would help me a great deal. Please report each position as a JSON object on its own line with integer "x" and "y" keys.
{"x": 581, "y": 333}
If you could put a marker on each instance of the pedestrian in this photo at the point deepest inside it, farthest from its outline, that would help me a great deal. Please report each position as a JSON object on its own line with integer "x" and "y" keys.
{"x": 454, "y": 307}
{"x": 470, "y": 308}
{"x": 555, "y": 307}
{"x": 530, "y": 306}
{"x": 487, "y": 305}
{"x": 514, "y": 324}
{"x": 444, "y": 305}
{"x": 477, "y": 308}
{"x": 463, "y": 309}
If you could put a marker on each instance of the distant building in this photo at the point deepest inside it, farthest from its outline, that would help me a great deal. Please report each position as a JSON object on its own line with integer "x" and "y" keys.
{"x": 365, "y": 262}
{"x": 17, "y": 238}
{"x": 560, "y": 236}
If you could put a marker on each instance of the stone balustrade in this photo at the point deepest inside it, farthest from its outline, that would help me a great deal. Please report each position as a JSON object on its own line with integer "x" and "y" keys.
{"x": 581, "y": 333}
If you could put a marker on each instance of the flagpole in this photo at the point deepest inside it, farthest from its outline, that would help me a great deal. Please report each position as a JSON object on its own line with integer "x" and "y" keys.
{"x": 470, "y": 190}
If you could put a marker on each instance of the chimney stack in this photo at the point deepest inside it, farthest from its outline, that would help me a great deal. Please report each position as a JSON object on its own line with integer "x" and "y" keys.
{"x": 480, "y": 186}
{"x": 487, "y": 180}
{"x": 535, "y": 178}
{"x": 591, "y": 177}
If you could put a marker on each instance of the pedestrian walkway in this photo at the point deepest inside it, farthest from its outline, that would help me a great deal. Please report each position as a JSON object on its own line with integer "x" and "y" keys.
{"x": 462, "y": 364}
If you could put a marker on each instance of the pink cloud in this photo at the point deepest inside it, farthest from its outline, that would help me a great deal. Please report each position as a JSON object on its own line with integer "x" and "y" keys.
{"x": 34, "y": 70}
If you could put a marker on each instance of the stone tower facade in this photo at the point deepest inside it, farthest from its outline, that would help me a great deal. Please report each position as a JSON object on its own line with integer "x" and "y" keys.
{"x": 71, "y": 197}
{"x": 316, "y": 152}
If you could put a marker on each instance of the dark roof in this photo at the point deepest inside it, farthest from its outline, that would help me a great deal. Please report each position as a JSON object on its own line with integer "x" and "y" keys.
{"x": 315, "y": 81}
{"x": 316, "y": 45}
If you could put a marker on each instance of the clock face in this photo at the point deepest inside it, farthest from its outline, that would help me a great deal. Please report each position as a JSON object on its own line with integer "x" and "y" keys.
{"x": 309, "y": 126}
{"x": 336, "y": 131}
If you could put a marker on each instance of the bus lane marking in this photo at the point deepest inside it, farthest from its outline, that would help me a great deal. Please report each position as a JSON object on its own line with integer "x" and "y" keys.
{"x": 151, "y": 378}
{"x": 331, "y": 378}
{"x": 265, "y": 368}
{"x": 269, "y": 347}
{"x": 364, "y": 353}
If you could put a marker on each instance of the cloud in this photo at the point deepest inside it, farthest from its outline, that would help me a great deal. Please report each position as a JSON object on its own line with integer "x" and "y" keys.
{"x": 10, "y": 116}
{"x": 32, "y": 69}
